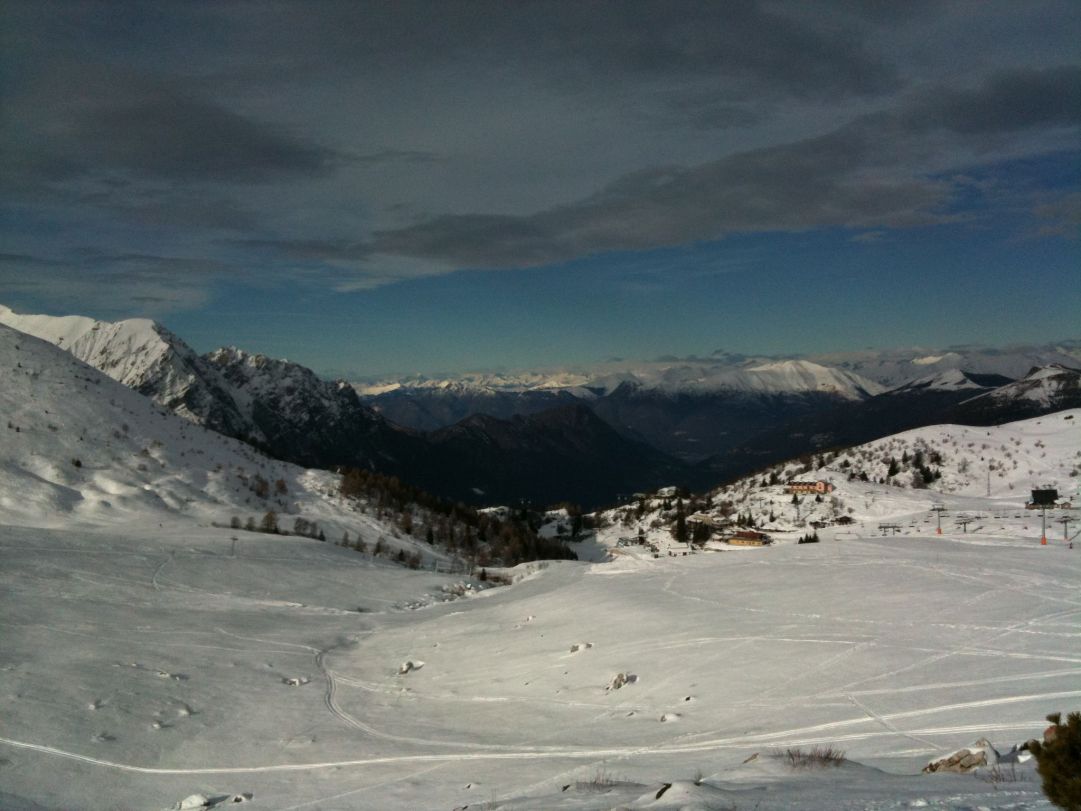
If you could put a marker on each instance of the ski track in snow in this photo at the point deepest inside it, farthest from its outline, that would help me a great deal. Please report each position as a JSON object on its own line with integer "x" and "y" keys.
{"x": 875, "y": 716}
{"x": 797, "y": 736}
{"x": 368, "y": 787}
{"x": 157, "y": 571}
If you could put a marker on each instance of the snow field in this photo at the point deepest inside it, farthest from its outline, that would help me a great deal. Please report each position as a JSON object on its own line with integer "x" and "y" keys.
{"x": 168, "y": 653}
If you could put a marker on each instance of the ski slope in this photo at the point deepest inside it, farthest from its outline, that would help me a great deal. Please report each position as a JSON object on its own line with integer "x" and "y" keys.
{"x": 147, "y": 668}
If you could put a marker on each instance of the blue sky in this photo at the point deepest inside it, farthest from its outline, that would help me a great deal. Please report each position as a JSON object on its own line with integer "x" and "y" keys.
{"x": 374, "y": 189}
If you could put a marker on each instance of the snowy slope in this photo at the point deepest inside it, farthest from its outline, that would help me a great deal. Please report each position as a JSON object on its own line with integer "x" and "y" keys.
{"x": 1045, "y": 386}
{"x": 144, "y": 356}
{"x": 140, "y": 669}
{"x": 951, "y": 380}
{"x": 971, "y": 471}
{"x": 278, "y": 405}
{"x": 79, "y": 449}
{"x": 894, "y": 367}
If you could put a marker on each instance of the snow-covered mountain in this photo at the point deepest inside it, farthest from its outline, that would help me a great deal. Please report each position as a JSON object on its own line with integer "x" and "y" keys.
{"x": 306, "y": 419}
{"x": 895, "y": 367}
{"x": 279, "y": 406}
{"x": 774, "y": 377}
{"x": 80, "y": 448}
{"x": 486, "y": 383}
{"x": 1048, "y": 387}
{"x": 691, "y": 410}
{"x": 144, "y": 356}
{"x": 779, "y": 376}
{"x": 952, "y": 380}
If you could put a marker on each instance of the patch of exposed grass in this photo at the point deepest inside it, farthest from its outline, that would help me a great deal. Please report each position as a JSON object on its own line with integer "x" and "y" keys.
{"x": 819, "y": 757}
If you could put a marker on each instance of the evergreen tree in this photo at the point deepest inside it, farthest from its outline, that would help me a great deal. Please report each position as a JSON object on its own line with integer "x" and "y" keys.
{"x": 680, "y": 530}
{"x": 269, "y": 522}
{"x": 1058, "y": 761}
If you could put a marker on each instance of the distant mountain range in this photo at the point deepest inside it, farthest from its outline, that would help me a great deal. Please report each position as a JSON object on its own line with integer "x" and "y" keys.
{"x": 691, "y": 411}
{"x": 543, "y": 438}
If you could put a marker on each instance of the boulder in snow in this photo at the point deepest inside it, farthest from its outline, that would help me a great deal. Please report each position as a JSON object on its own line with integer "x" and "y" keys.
{"x": 981, "y": 753}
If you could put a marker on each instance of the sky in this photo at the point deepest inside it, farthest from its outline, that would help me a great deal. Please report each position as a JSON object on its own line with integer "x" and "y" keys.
{"x": 392, "y": 188}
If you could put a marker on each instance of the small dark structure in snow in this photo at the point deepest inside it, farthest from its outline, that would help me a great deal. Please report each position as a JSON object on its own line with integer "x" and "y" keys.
{"x": 748, "y": 537}
{"x": 1045, "y": 497}
{"x": 818, "y": 487}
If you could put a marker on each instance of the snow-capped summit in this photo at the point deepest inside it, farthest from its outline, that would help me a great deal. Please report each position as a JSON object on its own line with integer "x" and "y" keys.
{"x": 81, "y": 447}
{"x": 806, "y": 376}
{"x": 952, "y": 380}
{"x": 280, "y": 406}
{"x": 306, "y": 419}
{"x": 1053, "y": 386}
{"x": 144, "y": 356}
{"x": 481, "y": 383}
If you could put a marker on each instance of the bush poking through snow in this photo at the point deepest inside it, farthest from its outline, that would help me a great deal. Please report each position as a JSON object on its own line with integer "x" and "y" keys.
{"x": 602, "y": 781}
{"x": 621, "y": 679}
{"x": 819, "y": 757}
{"x": 1004, "y": 774}
{"x": 1058, "y": 761}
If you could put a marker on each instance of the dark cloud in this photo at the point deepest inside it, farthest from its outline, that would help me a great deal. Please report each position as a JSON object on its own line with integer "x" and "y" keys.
{"x": 1008, "y": 101}
{"x": 575, "y": 44}
{"x": 873, "y": 172}
{"x": 397, "y": 155}
{"x": 308, "y": 249}
{"x": 312, "y": 136}
{"x": 73, "y": 120}
{"x": 163, "y": 133}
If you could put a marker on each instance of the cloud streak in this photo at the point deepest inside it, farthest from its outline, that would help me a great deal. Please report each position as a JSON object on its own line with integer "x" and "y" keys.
{"x": 880, "y": 170}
